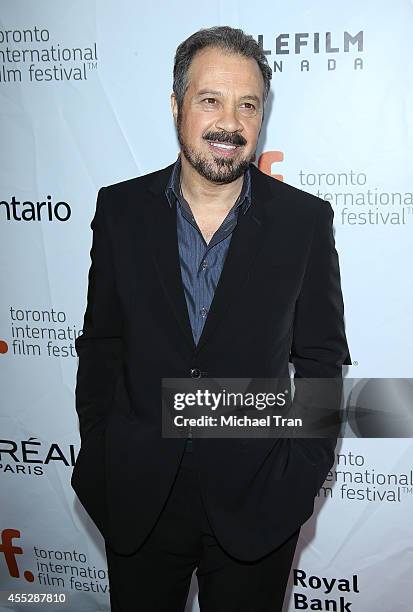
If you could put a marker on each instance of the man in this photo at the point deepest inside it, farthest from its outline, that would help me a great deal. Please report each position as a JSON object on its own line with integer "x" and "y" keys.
{"x": 207, "y": 268}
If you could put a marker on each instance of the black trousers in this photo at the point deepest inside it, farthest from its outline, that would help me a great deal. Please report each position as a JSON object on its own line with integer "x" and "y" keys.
{"x": 157, "y": 577}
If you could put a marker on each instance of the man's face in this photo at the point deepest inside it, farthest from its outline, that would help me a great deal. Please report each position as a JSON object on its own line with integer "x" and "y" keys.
{"x": 221, "y": 116}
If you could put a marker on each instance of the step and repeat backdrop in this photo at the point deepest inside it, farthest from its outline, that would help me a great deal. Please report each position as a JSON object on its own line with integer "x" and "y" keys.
{"x": 84, "y": 94}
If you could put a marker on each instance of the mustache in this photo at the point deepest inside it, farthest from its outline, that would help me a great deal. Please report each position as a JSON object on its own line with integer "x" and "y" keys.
{"x": 228, "y": 137}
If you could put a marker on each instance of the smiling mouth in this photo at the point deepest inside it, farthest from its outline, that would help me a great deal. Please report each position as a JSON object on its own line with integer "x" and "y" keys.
{"x": 223, "y": 146}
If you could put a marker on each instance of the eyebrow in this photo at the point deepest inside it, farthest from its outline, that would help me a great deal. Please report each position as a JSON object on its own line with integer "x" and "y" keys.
{"x": 219, "y": 93}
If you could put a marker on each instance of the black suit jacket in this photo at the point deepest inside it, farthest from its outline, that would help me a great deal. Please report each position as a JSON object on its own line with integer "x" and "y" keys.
{"x": 278, "y": 299}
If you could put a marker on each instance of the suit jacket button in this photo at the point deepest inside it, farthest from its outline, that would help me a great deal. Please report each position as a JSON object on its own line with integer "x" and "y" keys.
{"x": 196, "y": 373}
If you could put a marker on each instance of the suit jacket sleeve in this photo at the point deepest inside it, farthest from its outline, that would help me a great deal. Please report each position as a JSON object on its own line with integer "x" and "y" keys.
{"x": 319, "y": 346}
{"x": 99, "y": 348}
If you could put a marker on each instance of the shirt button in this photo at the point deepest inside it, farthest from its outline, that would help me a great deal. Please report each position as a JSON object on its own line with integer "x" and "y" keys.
{"x": 204, "y": 264}
{"x": 204, "y": 312}
{"x": 195, "y": 373}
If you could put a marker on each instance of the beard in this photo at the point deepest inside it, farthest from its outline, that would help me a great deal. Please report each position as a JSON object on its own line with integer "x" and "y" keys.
{"x": 220, "y": 170}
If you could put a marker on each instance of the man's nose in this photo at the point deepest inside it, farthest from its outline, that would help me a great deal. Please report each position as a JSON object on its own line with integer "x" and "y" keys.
{"x": 228, "y": 120}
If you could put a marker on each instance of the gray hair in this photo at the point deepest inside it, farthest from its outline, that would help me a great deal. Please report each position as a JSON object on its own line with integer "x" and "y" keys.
{"x": 228, "y": 39}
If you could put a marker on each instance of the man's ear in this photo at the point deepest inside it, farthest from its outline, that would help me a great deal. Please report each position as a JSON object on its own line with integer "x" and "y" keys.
{"x": 174, "y": 107}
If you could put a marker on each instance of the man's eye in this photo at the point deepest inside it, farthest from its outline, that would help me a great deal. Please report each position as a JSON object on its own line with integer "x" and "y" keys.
{"x": 249, "y": 105}
{"x": 209, "y": 100}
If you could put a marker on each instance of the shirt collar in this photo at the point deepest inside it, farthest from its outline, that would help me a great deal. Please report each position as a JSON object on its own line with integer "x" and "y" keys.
{"x": 173, "y": 190}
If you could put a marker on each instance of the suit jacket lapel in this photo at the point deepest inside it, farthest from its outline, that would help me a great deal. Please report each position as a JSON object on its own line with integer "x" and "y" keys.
{"x": 245, "y": 243}
{"x": 160, "y": 220}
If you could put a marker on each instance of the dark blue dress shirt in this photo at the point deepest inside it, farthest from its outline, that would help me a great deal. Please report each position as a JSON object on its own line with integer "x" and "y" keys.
{"x": 202, "y": 263}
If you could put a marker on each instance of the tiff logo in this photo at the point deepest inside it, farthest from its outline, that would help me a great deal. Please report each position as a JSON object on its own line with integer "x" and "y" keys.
{"x": 267, "y": 159}
{"x": 10, "y": 551}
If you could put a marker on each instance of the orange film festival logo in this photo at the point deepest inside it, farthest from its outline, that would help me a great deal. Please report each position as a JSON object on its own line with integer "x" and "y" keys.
{"x": 266, "y": 161}
{"x": 10, "y": 551}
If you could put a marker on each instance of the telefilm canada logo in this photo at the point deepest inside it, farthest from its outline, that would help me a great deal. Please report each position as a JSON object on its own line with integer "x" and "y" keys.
{"x": 303, "y": 50}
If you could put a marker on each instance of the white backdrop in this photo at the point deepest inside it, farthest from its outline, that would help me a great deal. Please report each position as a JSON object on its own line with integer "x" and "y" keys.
{"x": 85, "y": 92}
